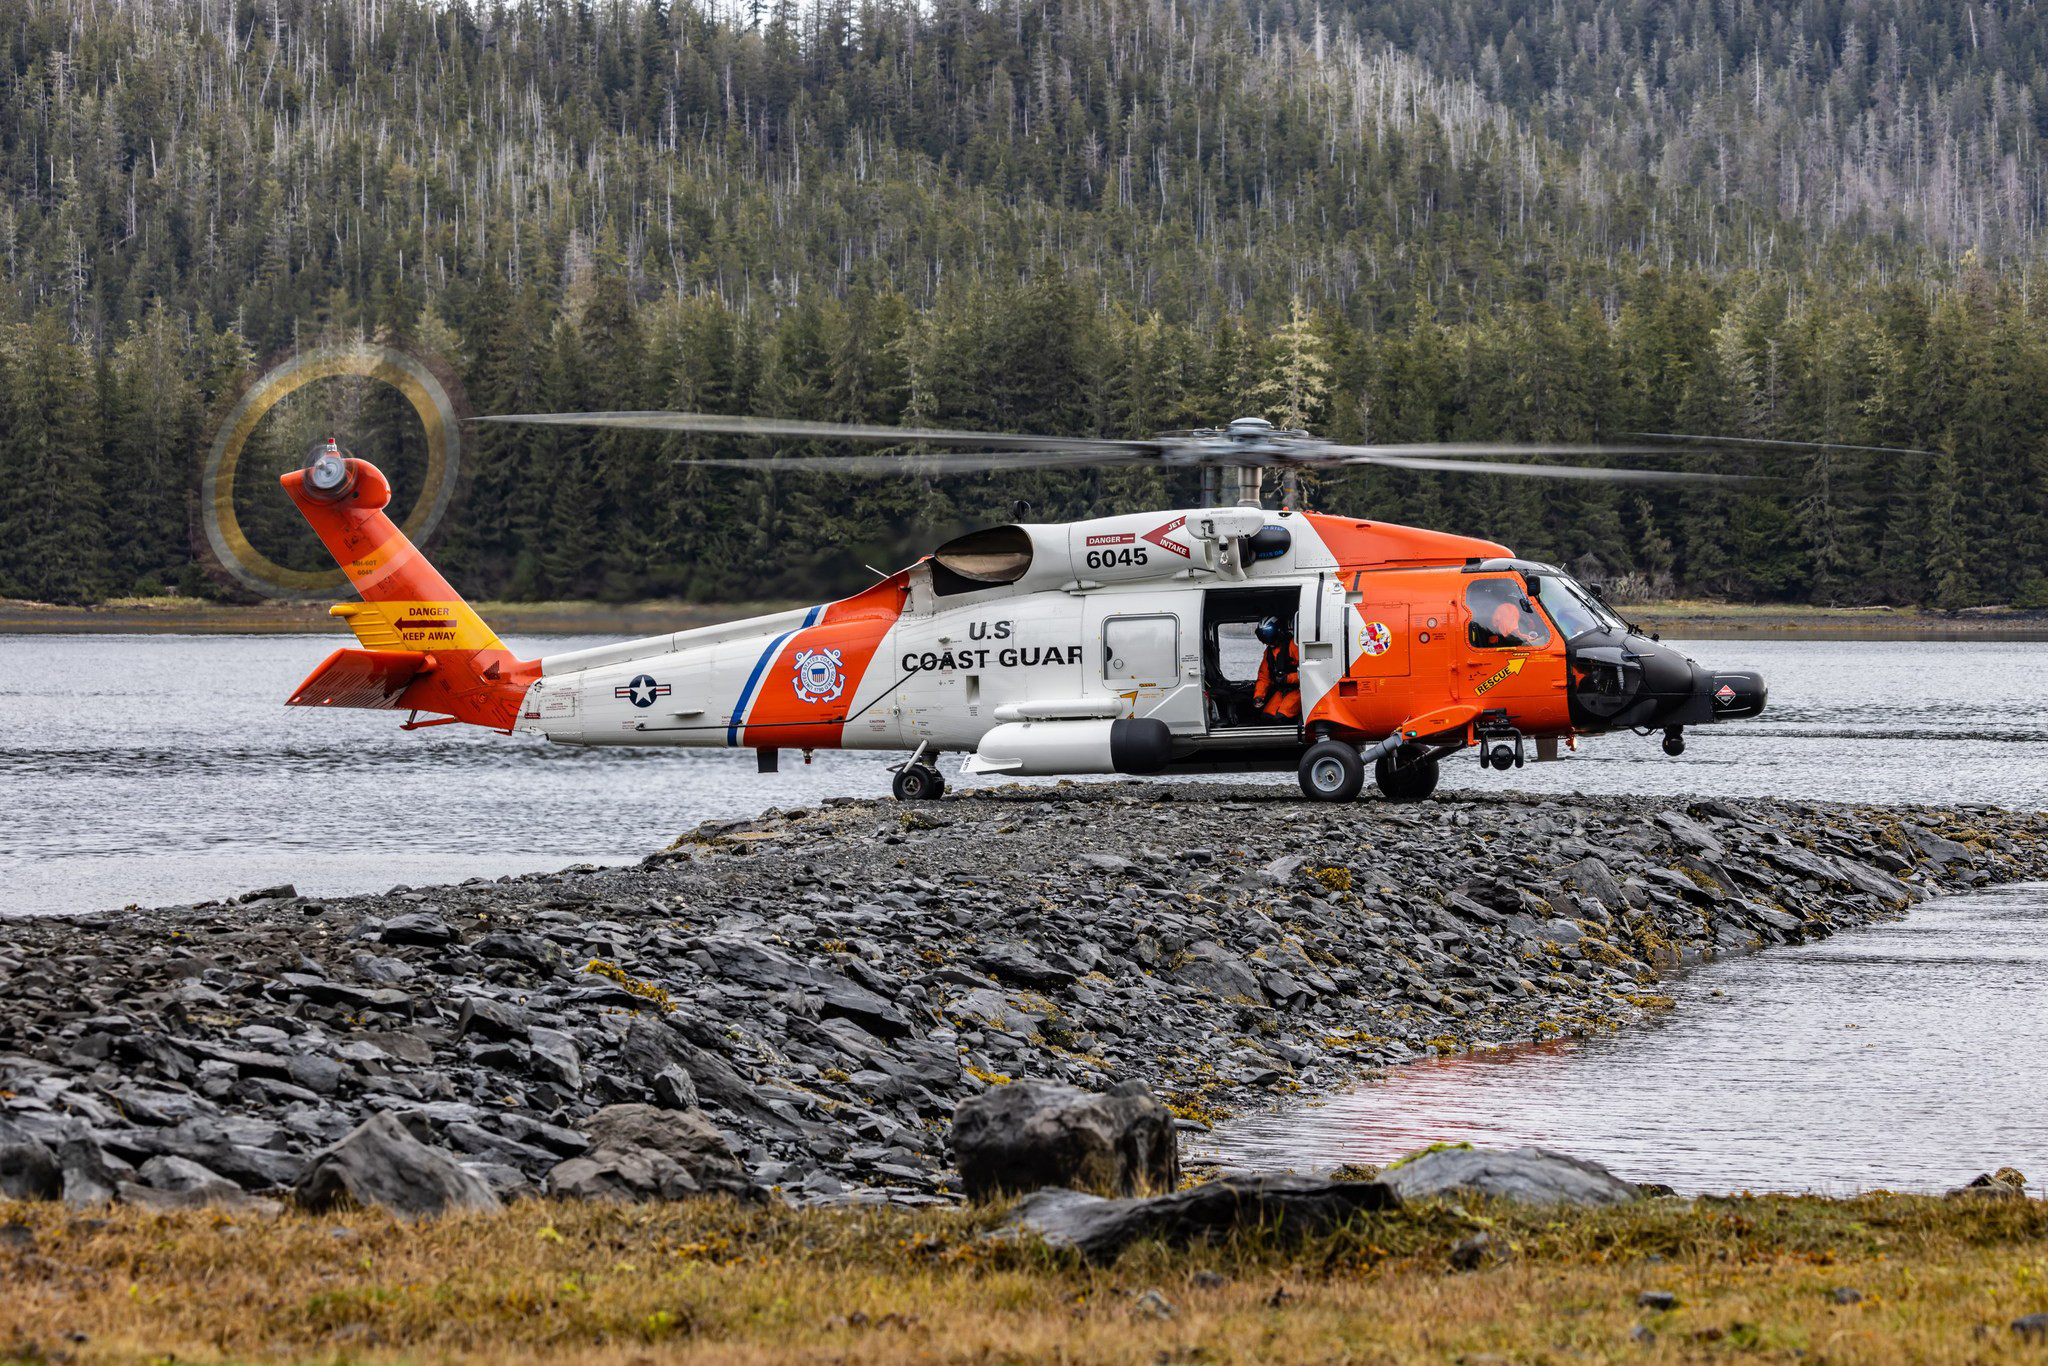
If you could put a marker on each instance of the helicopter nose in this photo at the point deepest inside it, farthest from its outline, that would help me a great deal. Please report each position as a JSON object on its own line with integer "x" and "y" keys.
{"x": 1729, "y": 695}
{"x": 1696, "y": 696}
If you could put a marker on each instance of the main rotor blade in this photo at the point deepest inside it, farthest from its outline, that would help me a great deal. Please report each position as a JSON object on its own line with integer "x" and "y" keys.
{"x": 1767, "y": 443}
{"x": 1618, "y": 476}
{"x": 717, "y": 424}
{"x": 950, "y": 462}
{"x": 1458, "y": 450}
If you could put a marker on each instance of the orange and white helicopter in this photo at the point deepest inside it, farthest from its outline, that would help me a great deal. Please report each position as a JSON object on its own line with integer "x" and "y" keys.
{"x": 1226, "y": 637}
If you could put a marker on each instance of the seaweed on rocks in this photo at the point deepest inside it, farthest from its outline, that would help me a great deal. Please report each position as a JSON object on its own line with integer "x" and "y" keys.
{"x": 821, "y": 987}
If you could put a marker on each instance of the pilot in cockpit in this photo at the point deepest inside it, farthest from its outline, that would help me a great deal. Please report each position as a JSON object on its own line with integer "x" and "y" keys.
{"x": 1503, "y": 618}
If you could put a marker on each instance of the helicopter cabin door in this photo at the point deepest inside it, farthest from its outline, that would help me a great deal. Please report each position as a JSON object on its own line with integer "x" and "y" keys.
{"x": 1145, "y": 654}
{"x": 1323, "y": 634}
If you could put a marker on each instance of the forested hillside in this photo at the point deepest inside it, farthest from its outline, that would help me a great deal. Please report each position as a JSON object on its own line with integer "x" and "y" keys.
{"x": 1572, "y": 219}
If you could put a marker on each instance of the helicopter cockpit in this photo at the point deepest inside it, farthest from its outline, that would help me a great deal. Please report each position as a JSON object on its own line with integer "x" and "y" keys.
{"x": 1620, "y": 677}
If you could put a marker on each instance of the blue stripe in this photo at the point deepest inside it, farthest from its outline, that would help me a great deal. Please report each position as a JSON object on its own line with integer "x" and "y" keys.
{"x": 811, "y": 617}
{"x": 739, "y": 713}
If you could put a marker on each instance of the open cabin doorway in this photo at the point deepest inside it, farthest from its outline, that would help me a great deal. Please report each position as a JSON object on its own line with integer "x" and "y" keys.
{"x": 1231, "y": 651}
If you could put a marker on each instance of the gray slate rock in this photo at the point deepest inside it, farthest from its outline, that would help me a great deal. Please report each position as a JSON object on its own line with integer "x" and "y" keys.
{"x": 1214, "y": 968}
{"x": 1592, "y": 877}
{"x": 428, "y": 931}
{"x": 684, "y": 1136}
{"x": 629, "y": 1177}
{"x": 714, "y": 1077}
{"x": 555, "y": 1057}
{"x": 1021, "y": 964}
{"x": 521, "y": 948}
{"x": 481, "y": 1143}
{"x": 491, "y": 1019}
{"x": 641, "y": 1153}
{"x": 1532, "y": 1175}
{"x": 380, "y": 1163}
{"x": 315, "y": 1073}
{"x": 381, "y": 969}
{"x": 210, "y": 1143}
{"x": 673, "y": 1089}
{"x": 650, "y": 1048}
{"x": 743, "y": 960}
{"x": 1032, "y": 1134}
{"x": 1691, "y": 833}
{"x": 1939, "y": 848}
{"x": 1099, "y": 1229}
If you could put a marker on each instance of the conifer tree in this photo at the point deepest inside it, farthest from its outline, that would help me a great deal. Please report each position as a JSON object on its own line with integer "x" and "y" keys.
{"x": 53, "y": 543}
{"x": 1297, "y": 377}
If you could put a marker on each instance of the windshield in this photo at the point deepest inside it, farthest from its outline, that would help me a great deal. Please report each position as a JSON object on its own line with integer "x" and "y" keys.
{"x": 1574, "y": 609}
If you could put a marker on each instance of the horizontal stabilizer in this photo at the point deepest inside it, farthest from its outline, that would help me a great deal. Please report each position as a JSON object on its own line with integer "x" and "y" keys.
{"x": 361, "y": 678}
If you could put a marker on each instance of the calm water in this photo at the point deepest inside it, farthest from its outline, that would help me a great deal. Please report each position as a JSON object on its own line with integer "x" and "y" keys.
{"x": 158, "y": 769}
{"x": 1906, "y": 1055}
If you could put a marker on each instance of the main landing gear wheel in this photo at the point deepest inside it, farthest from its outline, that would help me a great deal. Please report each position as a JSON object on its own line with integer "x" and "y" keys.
{"x": 1331, "y": 771}
{"x": 1409, "y": 782}
{"x": 919, "y": 783}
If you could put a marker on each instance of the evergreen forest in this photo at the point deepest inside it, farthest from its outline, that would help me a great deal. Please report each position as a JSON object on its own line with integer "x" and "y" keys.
{"x": 1383, "y": 220}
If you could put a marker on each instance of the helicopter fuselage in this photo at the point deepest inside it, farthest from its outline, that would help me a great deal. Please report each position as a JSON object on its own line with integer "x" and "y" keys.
{"x": 1125, "y": 644}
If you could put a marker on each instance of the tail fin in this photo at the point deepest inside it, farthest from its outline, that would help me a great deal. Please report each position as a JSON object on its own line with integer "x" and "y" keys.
{"x": 408, "y": 616}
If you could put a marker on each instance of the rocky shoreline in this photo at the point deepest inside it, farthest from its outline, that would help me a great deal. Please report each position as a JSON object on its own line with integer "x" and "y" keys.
{"x": 822, "y": 987}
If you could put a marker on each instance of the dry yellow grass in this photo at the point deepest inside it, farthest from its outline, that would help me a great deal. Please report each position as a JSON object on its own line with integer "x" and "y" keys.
{"x": 1754, "y": 1280}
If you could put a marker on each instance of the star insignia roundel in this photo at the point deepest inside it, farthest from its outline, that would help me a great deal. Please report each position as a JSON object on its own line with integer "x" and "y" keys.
{"x": 642, "y": 691}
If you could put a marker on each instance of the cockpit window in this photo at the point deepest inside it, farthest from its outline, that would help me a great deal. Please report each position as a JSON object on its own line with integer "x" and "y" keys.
{"x": 1503, "y": 618}
{"x": 1574, "y": 609}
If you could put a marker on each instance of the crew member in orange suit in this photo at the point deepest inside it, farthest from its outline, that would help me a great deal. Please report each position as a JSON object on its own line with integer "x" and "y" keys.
{"x": 1278, "y": 693}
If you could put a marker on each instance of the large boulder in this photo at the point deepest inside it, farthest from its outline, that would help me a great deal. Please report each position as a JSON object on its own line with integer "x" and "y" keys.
{"x": 1032, "y": 1134}
{"x": 1534, "y": 1176}
{"x": 381, "y": 1163}
{"x": 1299, "y": 1206}
{"x": 639, "y": 1152}
{"x": 628, "y": 1177}
{"x": 684, "y": 1136}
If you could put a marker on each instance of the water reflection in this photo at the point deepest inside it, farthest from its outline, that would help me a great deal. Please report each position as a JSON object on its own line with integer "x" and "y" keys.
{"x": 1906, "y": 1055}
